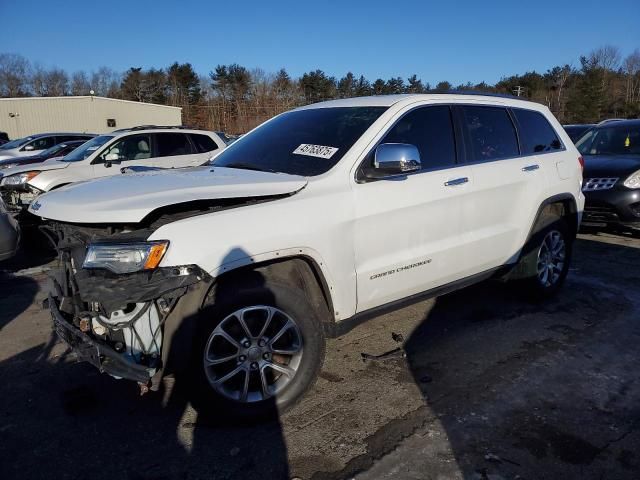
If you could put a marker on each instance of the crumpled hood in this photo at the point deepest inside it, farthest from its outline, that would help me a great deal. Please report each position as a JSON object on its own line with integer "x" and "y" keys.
{"x": 129, "y": 198}
{"x": 51, "y": 164}
{"x": 22, "y": 161}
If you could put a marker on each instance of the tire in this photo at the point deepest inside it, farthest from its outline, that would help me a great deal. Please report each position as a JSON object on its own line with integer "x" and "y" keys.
{"x": 303, "y": 334}
{"x": 546, "y": 257}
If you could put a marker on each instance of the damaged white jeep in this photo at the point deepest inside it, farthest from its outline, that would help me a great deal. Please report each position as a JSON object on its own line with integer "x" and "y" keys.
{"x": 232, "y": 275}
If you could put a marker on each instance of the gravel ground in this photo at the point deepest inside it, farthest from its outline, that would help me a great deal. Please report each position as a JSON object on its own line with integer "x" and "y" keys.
{"x": 487, "y": 386}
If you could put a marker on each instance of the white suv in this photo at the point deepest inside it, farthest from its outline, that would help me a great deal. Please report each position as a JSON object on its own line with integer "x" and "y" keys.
{"x": 162, "y": 147}
{"x": 234, "y": 274}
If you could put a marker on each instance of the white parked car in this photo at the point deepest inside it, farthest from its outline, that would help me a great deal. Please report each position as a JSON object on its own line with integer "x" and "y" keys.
{"x": 234, "y": 274}
{"x": 105, "y": 155}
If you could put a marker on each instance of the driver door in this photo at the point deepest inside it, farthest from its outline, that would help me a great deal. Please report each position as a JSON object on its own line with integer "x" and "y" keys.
{"x": 124, "y": 152}
{"x": 408, "y": 233}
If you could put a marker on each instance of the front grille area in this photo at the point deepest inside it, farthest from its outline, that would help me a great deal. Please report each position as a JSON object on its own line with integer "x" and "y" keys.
{"x": 593, "y": 184}
{"x": 599, "y": 214}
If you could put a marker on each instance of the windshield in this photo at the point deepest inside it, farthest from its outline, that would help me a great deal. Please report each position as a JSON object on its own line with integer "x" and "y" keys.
{"x": 86, "y": 149}
{"x": 18, "y": 142}
{"x": 303, "y": 142}
{"x": 613, "y": 140}
{"x": 51, "y": 151}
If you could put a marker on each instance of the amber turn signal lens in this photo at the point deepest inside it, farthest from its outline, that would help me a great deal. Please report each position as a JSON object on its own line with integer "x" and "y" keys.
{"x": 156, "y": 253}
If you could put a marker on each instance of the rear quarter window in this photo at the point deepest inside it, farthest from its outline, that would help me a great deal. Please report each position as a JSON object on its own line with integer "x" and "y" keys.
{"x": 536, "y": 133}
{"x": 490, "y": 133}
{"x": 203, "y": 143}
{"x": 172, "y": 144}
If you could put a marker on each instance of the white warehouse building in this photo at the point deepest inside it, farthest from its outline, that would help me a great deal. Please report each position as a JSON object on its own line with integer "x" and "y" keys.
{"x": 20, "y": 117}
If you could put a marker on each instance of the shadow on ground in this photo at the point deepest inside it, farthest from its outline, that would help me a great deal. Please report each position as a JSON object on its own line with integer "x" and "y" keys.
{"x": 61, "y": 419}
{"x": 513, "y": 388}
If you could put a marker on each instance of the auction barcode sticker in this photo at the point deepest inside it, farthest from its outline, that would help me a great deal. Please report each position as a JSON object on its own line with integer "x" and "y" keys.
{"x": 315, "y": 150}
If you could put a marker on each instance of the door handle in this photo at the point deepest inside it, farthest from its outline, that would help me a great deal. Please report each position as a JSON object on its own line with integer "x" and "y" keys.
{"x": 531, "y": 168}
{"x": 456, "y": 181}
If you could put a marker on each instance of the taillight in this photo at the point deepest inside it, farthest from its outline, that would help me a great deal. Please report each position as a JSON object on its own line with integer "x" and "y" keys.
{"x": 581, "y": 162}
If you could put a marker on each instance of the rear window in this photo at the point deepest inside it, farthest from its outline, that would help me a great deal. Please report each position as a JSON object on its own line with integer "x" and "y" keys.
{"x": 171, "y": 144}
{"x": 490, "y": 133}
{"x": 203, "y": 143}
{"x": 536, "y": 134}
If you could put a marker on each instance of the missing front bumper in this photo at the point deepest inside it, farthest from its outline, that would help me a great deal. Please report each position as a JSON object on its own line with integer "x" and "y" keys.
{"x": 100, "y": 355}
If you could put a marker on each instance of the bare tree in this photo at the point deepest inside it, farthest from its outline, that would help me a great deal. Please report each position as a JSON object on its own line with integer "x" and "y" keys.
{"x": 14, "y": 75}
{"x": 105, "y": 82}
{"x": 606, "y": 57}
{"x": 631, "y": 67}
{"x": 49, "y": 83}
{"x": 80, "y": 84}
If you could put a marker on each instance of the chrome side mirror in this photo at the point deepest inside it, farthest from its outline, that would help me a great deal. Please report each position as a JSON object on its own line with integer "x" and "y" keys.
{"x": 395, "y": 159}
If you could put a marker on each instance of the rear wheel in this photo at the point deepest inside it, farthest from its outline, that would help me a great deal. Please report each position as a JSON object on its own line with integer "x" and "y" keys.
{"x": 545, "y": 261}
{"x": 257, "y": 353}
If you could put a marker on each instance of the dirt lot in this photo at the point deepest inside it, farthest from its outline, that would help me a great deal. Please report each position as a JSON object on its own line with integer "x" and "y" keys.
{"x": 489, "y": 386}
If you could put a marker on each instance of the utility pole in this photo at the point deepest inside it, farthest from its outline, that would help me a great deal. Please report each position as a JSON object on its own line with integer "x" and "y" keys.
{"x": 518, "y": 90}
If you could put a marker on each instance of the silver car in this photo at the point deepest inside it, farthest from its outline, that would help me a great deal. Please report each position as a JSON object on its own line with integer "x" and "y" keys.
{"x": 9, "y": 233}
{"x": 34, "y": 144}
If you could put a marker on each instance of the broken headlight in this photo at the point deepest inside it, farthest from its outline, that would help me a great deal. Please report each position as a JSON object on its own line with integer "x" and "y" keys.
{"x": 125, "y": 257}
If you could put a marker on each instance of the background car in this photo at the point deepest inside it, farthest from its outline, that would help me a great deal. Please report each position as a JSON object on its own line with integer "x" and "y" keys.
{"x": 9, "y": 233}
{"x": 59, "y": 150}
{"x": 577, "y": 130}
{"x": 26, "y": 146}
{"x": 611, "y": 186}
{"x": 149, "y": 146}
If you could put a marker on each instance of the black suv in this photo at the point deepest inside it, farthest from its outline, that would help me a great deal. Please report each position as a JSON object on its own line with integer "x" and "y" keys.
{"x": 611, "y": 184}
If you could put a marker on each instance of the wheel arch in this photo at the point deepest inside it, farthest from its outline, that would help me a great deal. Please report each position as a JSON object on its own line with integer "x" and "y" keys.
{"x": 565, "y": 206}
{"x": 299, "y": 271}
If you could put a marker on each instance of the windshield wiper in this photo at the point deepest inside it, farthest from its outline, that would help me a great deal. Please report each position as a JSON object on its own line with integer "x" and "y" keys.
{"x": 245, "y": 166}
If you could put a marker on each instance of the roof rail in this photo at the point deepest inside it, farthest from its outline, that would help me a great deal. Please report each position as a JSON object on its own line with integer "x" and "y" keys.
{"x": 153, "y": 127}
{"x": 478, "y": 93}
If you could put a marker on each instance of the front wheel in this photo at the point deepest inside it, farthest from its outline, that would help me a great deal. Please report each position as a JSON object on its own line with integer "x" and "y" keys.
{"x": 257, "y": 353}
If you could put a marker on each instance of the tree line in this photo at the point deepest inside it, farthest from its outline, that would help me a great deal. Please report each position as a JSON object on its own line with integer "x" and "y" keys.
{"x": 233, "y": 98}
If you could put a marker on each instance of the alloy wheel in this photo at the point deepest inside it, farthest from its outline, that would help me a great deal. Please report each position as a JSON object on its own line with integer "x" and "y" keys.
{"x": 253, "y": 354}
{"x": 551, "y": 258}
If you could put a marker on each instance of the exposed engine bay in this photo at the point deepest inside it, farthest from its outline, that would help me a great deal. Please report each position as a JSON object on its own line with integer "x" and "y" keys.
{"x": 101, "y": 313}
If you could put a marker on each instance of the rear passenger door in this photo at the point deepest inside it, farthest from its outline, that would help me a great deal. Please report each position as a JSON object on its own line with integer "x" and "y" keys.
{"x": 174, "y": 150}
{"x": 506, "y": 184}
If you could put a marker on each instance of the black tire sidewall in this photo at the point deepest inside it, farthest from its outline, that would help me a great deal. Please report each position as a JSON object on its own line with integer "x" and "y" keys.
{"x": 545, "y": 224}
{"x": 293, "y": 303}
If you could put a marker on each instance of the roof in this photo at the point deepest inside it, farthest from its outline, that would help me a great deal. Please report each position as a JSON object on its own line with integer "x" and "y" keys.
{"x": 634, "y": 122}
{"x": 57, "y": 134}
{"x": 84, "y": 97}
{"x": 389, "y": 100}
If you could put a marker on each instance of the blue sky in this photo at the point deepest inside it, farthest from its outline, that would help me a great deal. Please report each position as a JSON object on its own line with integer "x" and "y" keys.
{"x": 450, "y": 40}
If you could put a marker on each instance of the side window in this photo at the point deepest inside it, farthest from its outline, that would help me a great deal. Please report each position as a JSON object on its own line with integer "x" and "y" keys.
{"x": 203, "y": 143}
{"x": 170, "y": 144}
{"x": 41, "y": 143}
{"x": 133, "y": 147}
{"x": 431, "y": 130}
{"x": 536, "y": 134}
{"x": 490, "y": 133}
